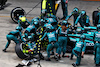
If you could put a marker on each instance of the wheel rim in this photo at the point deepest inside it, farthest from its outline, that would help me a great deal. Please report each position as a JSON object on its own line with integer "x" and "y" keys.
{"x": 16, "y": 12}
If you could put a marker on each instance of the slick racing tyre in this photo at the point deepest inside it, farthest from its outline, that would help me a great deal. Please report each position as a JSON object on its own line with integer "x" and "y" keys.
{"x": 19, "y": 51}
{"x": 16, "y": 12}
{"x": 95, "y": 18}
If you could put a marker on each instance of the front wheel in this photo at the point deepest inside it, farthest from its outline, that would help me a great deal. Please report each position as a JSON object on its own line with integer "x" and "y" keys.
{"x": 95, "y": 18}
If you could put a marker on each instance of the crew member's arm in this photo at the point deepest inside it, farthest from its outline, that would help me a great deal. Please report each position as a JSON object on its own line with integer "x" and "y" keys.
{"x": 28, "y": 22}
{"x": 19, "y": 23}
{"x": 20, "y": 34}
{"x": 87, "y": 20}
{"x": 77, "y": 20}
{"x": 67, "y": 18}
{"x": 83, "y": 49}
{"x": 44, "y": 35}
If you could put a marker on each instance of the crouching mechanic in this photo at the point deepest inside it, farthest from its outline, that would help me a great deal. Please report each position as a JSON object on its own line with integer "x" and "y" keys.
{"x": 97, "y": 46}
{"x": 14, "y": 35}
{"x": 83, "y": 19}
{"x": 79, "y": 50}
{"x": 32, "y": 45}
{"x": 51, "y": 35}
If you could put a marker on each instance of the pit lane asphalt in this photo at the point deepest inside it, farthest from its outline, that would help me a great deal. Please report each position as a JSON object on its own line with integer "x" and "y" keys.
{"x": 10, "y": 59}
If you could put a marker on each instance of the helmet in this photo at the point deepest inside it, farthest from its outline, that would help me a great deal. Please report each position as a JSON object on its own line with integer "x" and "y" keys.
{"x": 30, "y": 38}
{"x": 19, "y": 28}
{"x": 83, "y": 13}
{"x": 44, "y": 11}
{"x": 98, "y": 27}
{"x": 22, "y": 18}
{"x": 49, "y": 27}
{"x": 52, "y": 21}
{"x": 36, "y": 19}
{"x": 64, "y": 22}
{"x": 75, "y": 10}
{"x": 42, "y": 22}
{"x": 79, "y": 30}
{"x": 98, "y": 8}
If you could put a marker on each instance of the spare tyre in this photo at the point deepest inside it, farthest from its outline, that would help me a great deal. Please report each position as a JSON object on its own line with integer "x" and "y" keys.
{"x": 16, "y": 12}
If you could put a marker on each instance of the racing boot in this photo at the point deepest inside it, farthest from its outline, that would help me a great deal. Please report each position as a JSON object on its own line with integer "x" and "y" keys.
{"x": 52, "y": 53}
{"x": 59, "y": 57}
{"x": 41, "y": 57}
{"x": 2, "y": 7}
{"x": 48, "y": 59}
{"x": 82, "y": 56}
{"x": 75, "y": 65}
{"x": 71, "y": 58}
{"x": 30, "y": 63}
{"x": 56, "y": 58}
{"x": 65, "y": 56}
{"x": 97, "y": 65}
{"x": 4, "y": 50}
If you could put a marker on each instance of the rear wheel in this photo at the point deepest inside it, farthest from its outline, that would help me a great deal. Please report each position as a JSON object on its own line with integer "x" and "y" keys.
{"x": 95, "y": 18}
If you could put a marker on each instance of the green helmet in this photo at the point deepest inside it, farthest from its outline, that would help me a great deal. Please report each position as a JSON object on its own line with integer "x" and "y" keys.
{"x": 83, "y": 13}
{"x": 19, "y": 28}
{"x": 52, "y": 21}
{"x": 48, "y": 27}
{"x": 64, "y": 22}
{"x": 36, "y": 19}
{"x": 42, "y": 22}
{"x": 30, "y": 38}
{"x": 75, "y": 10}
